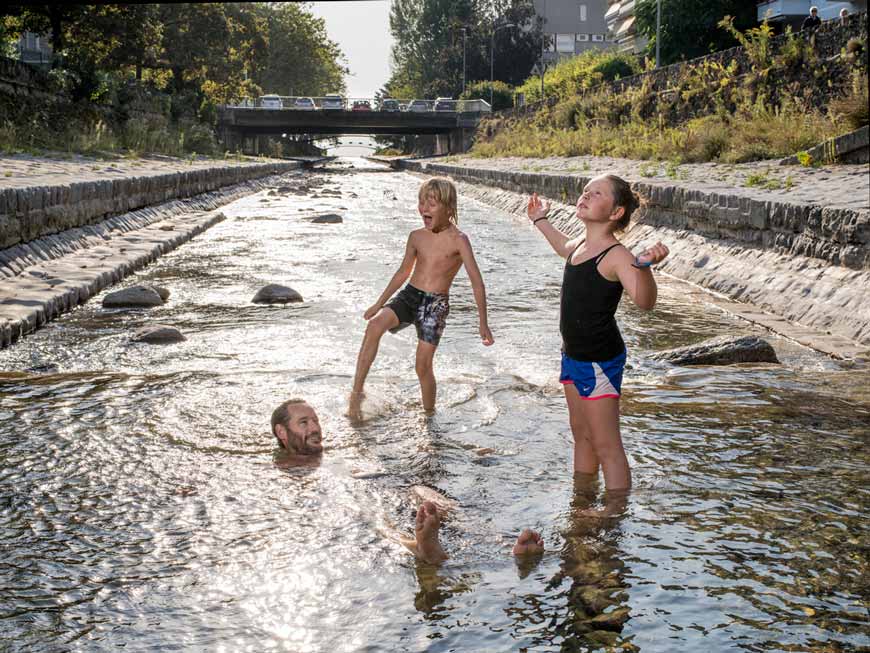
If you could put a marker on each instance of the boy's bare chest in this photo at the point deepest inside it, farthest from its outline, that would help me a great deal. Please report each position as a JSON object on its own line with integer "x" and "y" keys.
{"x": 438, "y": 255}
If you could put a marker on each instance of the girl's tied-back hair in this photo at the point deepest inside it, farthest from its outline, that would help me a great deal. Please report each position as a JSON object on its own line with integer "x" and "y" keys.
{"x": 625, "y": 197}
{"x": 444, "y": 192}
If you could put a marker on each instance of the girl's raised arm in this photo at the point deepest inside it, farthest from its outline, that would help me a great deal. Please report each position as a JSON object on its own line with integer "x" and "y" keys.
{"x": 537, "y": 212}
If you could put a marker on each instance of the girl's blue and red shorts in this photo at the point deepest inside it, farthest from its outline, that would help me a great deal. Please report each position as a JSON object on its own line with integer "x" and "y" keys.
{"x": 594, "y": 380}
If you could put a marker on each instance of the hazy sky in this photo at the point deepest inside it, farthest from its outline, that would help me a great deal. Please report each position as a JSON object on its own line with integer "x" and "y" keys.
{"x": 362, "y": 31}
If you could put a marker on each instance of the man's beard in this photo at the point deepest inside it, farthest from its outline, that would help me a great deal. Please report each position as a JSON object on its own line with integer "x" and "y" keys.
{"x": 305, "y": 448}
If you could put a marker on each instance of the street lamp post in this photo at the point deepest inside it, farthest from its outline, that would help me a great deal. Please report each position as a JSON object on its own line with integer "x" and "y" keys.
{"x": 492, "y": 57}
{"x": 658, "y": 30}
{"x": 464, "y": 32}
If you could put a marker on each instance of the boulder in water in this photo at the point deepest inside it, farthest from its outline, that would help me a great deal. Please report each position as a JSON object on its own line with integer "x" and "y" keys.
{"x": 327, "y": 218}
{"x": 157, "y": 334}
{"x": 276, "y": 294}
{"x": 724, "y": 350}
{"x": 136, "y": 297}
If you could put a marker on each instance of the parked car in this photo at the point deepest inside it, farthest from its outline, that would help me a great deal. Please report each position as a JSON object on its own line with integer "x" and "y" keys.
{"x": 332, "y": 102}
{"x": 418, "y": 106}
{"x": 271, "y": 102}
{"x": 361, "y": 105}
{"x": 304, "y": 104}
{"x": 388, "y": 104}
{"x": 445, "y": 104}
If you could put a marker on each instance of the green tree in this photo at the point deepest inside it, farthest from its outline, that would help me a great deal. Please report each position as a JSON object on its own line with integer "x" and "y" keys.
{"x": 300, "y": 58}
{"x": 429, "y": 36}
{"x": 689, "y": 28}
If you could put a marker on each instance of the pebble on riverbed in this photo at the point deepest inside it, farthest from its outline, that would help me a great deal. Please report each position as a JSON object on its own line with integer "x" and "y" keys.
{"x": 157, "y": 334}
{"x": 327, "y": 218}
{"x": 276, "y": 294}
{"x": 724, "y": 350}
{"x": 141, "y": 296}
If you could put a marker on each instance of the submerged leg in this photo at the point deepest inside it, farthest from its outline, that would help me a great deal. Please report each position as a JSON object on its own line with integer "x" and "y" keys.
{"x": 424, "y": 366}
{"x": 585, "y": 459}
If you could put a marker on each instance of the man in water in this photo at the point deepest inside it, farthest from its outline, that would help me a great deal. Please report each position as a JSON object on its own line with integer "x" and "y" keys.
{"x": 297, "y": 429}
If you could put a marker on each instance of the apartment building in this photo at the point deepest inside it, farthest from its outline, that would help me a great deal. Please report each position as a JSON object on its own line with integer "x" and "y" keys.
{"x": 620, "y": 21}
{"x": 572, "y": 26}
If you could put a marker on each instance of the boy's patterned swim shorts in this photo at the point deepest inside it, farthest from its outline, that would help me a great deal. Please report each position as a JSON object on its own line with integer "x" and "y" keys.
{"x": 425, "y": 310}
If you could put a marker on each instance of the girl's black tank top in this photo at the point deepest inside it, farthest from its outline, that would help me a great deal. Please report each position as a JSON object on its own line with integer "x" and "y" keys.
{"x": 588, "y": 306}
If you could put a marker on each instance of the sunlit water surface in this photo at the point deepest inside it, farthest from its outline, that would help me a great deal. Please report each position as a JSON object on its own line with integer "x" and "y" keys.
{"x": 143, "y": 504}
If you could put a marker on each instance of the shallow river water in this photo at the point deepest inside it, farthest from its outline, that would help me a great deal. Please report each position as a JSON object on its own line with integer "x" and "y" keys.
{"x": 142, "y": 504}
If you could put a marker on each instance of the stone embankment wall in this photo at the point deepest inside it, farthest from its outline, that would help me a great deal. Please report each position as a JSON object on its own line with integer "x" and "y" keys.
{"x": 33, "y": 212}
{"x": 807, "y": 264}
{"x": 17, "y": 78}
{"x": 59, "y": 268}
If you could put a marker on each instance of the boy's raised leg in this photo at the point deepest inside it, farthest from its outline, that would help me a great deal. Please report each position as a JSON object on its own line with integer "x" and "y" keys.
{"x": 385, "y": 320}
{"x": 424, "y": 367}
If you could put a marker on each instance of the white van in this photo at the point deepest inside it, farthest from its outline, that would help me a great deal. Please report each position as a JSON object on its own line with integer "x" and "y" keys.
{"x": 271, "y": 102}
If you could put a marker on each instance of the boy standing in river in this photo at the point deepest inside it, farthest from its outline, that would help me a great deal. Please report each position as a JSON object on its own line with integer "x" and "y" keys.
{"x": 432, "y": 258}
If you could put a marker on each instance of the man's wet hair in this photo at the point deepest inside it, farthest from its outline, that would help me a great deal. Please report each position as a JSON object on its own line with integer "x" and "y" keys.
{"x": 281, "y": 415}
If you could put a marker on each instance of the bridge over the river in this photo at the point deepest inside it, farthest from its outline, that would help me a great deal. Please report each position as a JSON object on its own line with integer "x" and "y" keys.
{"x": 453, "y": 128}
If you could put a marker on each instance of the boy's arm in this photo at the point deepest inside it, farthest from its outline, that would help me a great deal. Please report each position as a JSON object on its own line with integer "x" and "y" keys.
{"x": 404, "y": 271}
{"x": 537, "y": 212}
{"x": 477, "y": 287}
{"x": 639, "y": 282}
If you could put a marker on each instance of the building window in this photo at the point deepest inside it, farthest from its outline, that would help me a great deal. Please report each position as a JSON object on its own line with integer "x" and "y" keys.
{"x": 583, "y": 13}
{"x": 583, "y": 38}
{"x": 598, "y": 38}
{"x": 564, "y": 42}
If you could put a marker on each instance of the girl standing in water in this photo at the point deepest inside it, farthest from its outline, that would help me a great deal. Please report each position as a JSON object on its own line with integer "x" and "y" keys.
{"x": 597, "y": 270}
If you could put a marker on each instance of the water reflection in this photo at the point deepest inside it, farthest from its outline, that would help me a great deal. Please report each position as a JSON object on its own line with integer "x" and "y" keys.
{"x": 139, "y": 487}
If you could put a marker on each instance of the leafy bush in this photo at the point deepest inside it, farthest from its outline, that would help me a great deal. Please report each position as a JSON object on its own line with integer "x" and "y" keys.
{"x": 581, "y": 72}
{"x": 502, "y": 94}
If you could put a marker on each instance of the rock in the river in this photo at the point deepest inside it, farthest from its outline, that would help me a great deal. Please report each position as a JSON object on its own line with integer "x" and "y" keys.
{"x": 724, "y": 350}
{"x": 157, "y": 334}
{"x": 327, "y": 218}
{"x": 276, "y": 294}
{"x": 136, "y": 297}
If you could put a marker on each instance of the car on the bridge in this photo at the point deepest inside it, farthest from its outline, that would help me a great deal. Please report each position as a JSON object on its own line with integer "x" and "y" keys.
{"x": 445, "y": 104}
{"x": 304, "y": 104}
{"x": 361, "y": 105}
{"x": 389, "y": 104}
{"x": 418, "y": 106}
{"x": 332, "y": 102}
{"x": 271, "y": 102}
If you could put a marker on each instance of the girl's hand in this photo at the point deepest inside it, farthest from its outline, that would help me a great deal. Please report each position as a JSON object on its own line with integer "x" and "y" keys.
{"x": 486, "y": 335}
{"x": 655, "y": 254}
{"x": 371, "y": 311}
{"x": 536, "y": 209}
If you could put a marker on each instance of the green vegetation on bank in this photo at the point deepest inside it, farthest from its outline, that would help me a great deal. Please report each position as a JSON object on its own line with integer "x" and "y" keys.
{"x": 148, "y": 78}
{"x": 779, "y": 104}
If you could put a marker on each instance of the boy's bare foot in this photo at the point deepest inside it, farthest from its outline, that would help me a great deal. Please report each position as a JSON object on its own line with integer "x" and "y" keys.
{"x": 354, "y": 406}
{"x": 422, "y": 494}
{"x": 426, "y": 545}
{"x": 528, "y": 542}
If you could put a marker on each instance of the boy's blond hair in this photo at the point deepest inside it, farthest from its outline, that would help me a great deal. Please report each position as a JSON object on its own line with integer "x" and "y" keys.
{"x": 444, "y": 192}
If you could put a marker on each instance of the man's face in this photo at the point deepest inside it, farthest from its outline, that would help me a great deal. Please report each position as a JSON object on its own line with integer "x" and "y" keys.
{"x": 814, "y": 12}
{"x": 301, "y": 433}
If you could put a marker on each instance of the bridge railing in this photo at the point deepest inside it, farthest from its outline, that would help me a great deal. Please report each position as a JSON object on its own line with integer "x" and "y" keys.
{"x": 341, "y": 103}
